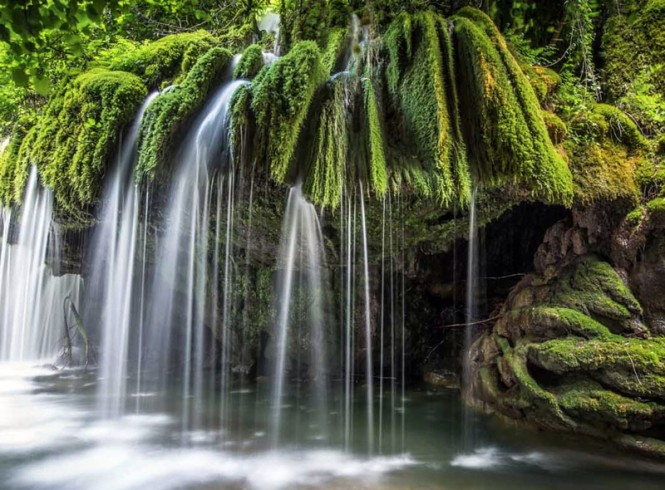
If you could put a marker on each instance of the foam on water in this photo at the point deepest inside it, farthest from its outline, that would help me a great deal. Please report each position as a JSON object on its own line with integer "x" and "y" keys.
{"x": 125, "y": 467}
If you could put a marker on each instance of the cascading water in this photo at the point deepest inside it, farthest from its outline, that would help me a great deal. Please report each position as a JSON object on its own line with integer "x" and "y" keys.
{"x": 32, "y": 320}
{"x": 471, "y": 313}
{"x": 111, "y": 281}
{"x": 179, "y": 304}
{"x": 301, "y": 261}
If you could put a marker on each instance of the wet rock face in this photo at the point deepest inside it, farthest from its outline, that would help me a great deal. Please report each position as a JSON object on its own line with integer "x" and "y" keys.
{"x": 579, "y": 345}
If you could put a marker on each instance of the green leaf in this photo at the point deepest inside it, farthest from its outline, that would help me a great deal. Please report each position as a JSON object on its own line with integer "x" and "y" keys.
{"x": 42, "y": 85}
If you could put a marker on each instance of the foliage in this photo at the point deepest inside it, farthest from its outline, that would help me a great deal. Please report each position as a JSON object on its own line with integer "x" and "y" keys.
{"x": 29, "y": 28}
{"x": 634, "y": 43}
{"x": 170, "y": 110}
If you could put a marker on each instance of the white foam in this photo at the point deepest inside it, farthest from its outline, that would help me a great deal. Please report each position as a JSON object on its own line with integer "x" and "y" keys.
{"x": 123, "y": 467}
{"x": 480, "y": 459}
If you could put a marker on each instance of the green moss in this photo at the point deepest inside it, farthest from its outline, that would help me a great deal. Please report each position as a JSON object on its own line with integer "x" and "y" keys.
{"x": 632, "y": 366}
{"x": 377, "y": 160}
{"x": 327, "y": 175}
{"x": 594, "y": 288}
{"x": 656, "y": 208}
{"x": 562, "y": 321}
{"x": 240, "y": 115}
{"x": 11, "y": 176}
{"x": 531, "y": 393}
{"x": 334, "y": 49}
{"x": 635, "y": 217}
{"x": 250, "y": 63}
{"x": 548, "y": 81}
{"x": 589, "y": 401}
{"x": 506, "y": 134}
{"x": 421, "y": 80}
{"x": 165, "y": 58}
{"x": 633, "y": 42}
{"x": 165, "y": 116}
{"x": 282, "y": 95}
{"x": 556, "y": 128}
{"x": 605, "y": 150}
{"x": 78, "y": 132}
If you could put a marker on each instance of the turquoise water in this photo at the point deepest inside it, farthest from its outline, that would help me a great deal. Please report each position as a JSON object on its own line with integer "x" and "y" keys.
{"x": 51, "y": 437}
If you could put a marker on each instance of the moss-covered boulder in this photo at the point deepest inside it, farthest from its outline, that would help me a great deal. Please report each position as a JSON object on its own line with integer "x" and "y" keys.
{"x": 571, "y": 352}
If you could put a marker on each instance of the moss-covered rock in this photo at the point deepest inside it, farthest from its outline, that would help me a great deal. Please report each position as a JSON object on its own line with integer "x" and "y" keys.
{"x": 606, "y": 151}
{"x": 574, "y": 355}
{"x": 167, "y": 113}
{"x": 250, "y": 63}
{"x": 164, "y": 59}
{"x": 74, "y": 139}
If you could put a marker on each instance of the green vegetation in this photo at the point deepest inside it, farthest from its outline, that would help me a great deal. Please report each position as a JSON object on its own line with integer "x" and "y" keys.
{"x": 161, "y": 60}
{"x": 506, "y": 135}
{"x": 170, "y": 110}
{"x": 72, "y": 142}
{"x": 606, "y": 148}
{"x": 282, "y": 96}
{"x": 420, "y": 78}
{"x": 250, "y": 63}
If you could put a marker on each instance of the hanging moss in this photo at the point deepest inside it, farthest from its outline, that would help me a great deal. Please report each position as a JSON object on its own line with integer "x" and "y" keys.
{"x": 326, "y": 176}
{"x": 420, "y": 78}
{"x": 334, "y": 49}
{"x": 282, "y": 95}
{"x": 165, "y": 58}
{"x": 506, "y": 135}
{"x": 78, "y": 132}
{"x": 250, "y": 63}
{"x": 377, "y": 160}
{"x": 11, "y": 181}
{"x": 165, "y": 116}
{"x": 240, "y": 117}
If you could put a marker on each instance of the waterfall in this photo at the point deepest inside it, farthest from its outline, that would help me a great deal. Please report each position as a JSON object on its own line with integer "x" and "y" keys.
{"x": 32, "y": 320}
{"x": 111, "y": 281}
{"x": 179, "y": 305}
{"x": 472, "y": 284}
{"x": 368, "y": 329}
{"x": 301, "y": 262}
{"x": 471, "y": 313}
